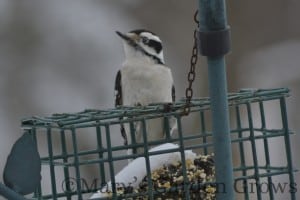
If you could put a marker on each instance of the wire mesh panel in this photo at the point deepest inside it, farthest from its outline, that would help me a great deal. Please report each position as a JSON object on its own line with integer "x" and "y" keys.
{"x": 83, "y": 152}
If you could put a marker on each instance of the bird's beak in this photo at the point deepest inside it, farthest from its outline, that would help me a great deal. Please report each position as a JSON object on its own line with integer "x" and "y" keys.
{"x": 127, "y": 37}
{"x": 122, "y": 35}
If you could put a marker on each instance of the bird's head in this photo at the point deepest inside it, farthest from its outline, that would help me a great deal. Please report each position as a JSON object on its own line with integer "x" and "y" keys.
{"x": 142, "y": 44}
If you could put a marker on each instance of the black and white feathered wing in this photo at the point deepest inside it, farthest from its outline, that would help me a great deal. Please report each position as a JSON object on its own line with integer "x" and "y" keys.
{"x": 119, "y": 102}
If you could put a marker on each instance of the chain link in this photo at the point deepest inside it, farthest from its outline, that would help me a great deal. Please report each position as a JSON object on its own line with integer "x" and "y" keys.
{"x": 192, "y": 73}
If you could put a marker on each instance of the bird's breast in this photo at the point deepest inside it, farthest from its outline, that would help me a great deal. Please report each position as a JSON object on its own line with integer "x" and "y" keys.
{"x": 146, "y": 84}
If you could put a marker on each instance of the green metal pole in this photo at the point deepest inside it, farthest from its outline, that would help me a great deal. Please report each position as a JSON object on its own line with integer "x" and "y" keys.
{"x": 214, "y": 43}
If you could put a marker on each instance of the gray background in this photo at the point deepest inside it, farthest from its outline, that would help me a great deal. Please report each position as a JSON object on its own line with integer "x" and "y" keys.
{"x": 62, "y": 56}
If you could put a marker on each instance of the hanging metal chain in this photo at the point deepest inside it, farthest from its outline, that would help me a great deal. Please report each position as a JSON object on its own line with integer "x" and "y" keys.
{"x": 192, "y": 73}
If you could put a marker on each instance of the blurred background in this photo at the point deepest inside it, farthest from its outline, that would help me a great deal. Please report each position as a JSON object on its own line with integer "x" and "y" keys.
{"x": 62, "y": 56}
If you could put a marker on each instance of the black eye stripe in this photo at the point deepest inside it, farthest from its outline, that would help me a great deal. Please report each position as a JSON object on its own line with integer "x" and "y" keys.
{"x": 155, "y": 45}
{"x": 145, "y": 40}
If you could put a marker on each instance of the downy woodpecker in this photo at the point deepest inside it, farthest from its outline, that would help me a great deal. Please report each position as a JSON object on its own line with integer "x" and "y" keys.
{"x": 144, "y": 79}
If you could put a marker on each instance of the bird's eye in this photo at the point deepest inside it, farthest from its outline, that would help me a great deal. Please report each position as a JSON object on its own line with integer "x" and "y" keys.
{"x": 145, "y": 40}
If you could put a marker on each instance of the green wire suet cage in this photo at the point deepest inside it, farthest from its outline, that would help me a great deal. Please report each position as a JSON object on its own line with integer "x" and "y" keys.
{"x": 241, "y": 156}
{"x": 66, "y": 160}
